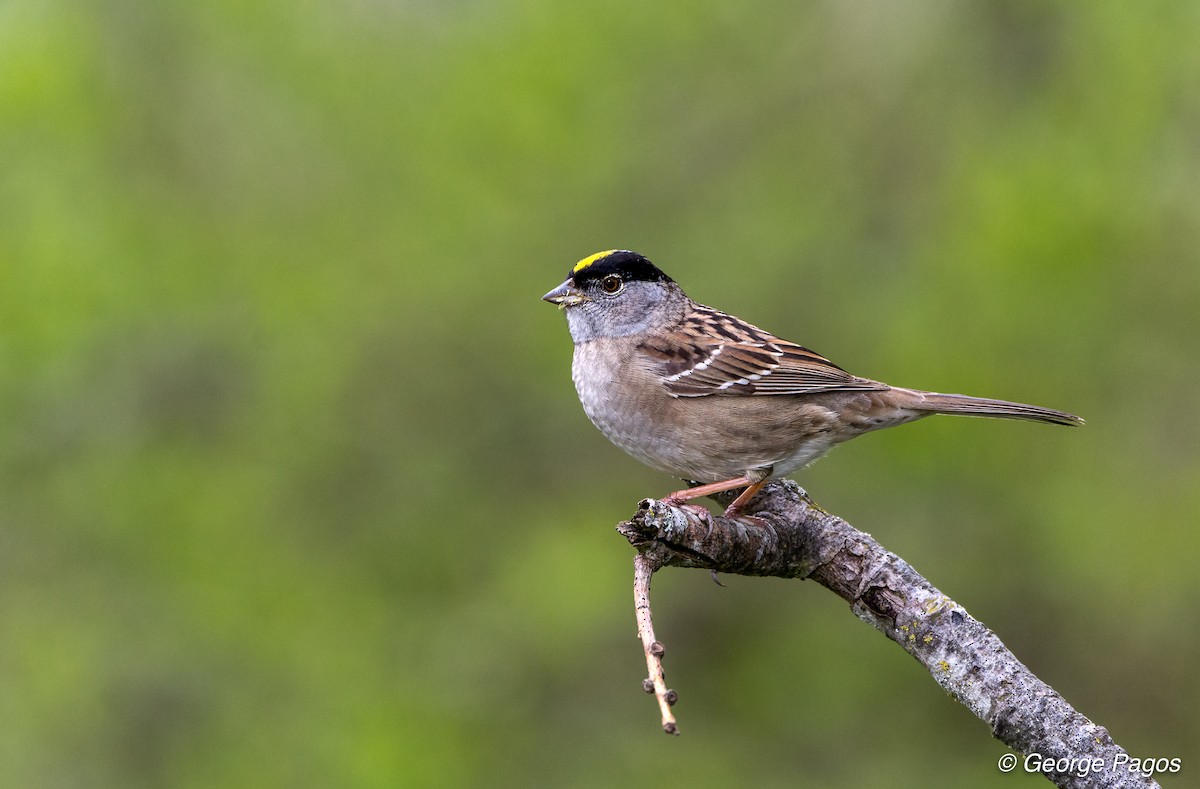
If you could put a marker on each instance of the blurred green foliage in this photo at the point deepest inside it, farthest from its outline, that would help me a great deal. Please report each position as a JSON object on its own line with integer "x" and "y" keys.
{"x": 294, "y": 487}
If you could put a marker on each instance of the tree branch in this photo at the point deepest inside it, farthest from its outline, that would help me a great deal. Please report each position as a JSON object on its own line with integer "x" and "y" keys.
{"x": 785, "y": 534}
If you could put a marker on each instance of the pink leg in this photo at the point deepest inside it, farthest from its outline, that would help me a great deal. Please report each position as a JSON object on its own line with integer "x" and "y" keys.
{"x": 680, "y": 496}
{"x": 752, "y": 488}
{"x": 743, "y": 499}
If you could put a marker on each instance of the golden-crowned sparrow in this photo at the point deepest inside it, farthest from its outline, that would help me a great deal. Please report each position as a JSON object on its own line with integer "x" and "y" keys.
{"x": 707, "y": 397}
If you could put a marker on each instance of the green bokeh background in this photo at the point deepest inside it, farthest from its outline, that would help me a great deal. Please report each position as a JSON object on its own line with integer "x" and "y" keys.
{"x": 294, "y": 487}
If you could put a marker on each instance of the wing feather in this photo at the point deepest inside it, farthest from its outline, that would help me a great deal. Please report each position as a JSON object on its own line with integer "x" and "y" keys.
{"x": 712, "y": 353}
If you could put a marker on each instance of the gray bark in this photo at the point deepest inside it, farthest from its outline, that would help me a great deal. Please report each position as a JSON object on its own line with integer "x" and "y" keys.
{"x": 785, "y": 534}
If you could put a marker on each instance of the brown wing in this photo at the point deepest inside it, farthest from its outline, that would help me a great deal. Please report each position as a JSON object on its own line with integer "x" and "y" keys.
{"x": 713, "y": 353}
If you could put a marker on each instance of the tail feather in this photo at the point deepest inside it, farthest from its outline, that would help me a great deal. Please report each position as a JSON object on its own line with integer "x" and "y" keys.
{"x": 981, "y": 406}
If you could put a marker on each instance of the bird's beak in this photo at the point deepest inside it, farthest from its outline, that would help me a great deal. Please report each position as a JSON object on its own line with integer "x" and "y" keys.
{"x": 565, "y": 295}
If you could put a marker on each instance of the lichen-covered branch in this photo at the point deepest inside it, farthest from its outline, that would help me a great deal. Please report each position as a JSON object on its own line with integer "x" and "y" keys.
{"x": 785, "y": 534}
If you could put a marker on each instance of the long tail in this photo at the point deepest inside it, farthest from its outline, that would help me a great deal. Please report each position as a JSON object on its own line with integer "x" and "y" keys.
{"x": 981, "y": 406}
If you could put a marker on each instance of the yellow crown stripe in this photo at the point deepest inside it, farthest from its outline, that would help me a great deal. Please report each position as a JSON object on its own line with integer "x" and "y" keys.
{"x": 590, "y": 259}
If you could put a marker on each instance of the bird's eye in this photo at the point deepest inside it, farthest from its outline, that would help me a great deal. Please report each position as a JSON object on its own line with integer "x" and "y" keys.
{"x": 611, "y": 284}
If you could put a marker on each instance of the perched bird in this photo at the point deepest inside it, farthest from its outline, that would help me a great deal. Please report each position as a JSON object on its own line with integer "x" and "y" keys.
{"x": 710, "y": 398}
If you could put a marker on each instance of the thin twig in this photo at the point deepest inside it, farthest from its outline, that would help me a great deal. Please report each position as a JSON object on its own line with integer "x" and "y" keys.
{"x": 785, "y": 534}
{"x": 655, "y": 682}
